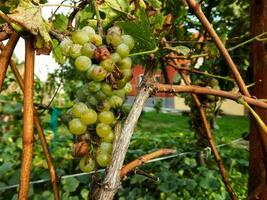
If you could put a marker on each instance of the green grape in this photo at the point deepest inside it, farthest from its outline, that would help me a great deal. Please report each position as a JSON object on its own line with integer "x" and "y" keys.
{"x": 123, "y": 50}
{"x": 121, "y": 83}
{"x": 75, "y": 51}
{"x": 102, "y": 159}
{"x": 105, "y": 147}
{"x": 104, "y": 106}
{"x": 87, "y": 164}
{"x": 109, "y": 138}
{"x": 106, "y": 117}
{"x": 98, "y": 73}
{"x": 128, "y": 40}
{"x": 94, "y": 86}
{"x": 211, "y": 97}
{"x": 65, "y": 46}
{"x": 115, "y": 29}
{"x": 128, "y": 88}
{"x": 79, "y": 37}
{"x": 96, "y": 40}
{"x": 92, "y": 101}
{"x": 88, "y": 50}
{"x": 89, "y": 72}
{"x": 89, "y": 117}
{"x": 66, "y": 116}
{"x": 89, "y": 30}
{"x": 114, "y": 39}
{"x": 100, "y": 96}
{"x": 81, "y": 95}
{"x": 115, "y": 101}
{"x": 115, "y": 57}
{"x": 213, "y": 82}
{"x": 76, "y": 127}
{"x": 82, "y": 63}
{"x": 120, "y": 93}
{"x": 107, "y": 89}
{"x": 216, "y": 87}
{"x": 78, "y": 109}
{"x": 103, "y": 130}
{"x": 125, "y": 63}
{"x": 108, "y": 64}
{"x": 127, "y": 73}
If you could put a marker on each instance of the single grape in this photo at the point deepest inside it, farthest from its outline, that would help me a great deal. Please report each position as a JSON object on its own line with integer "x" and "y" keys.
{"x": 88, "y": 50}
{"x": 105, "y": 147}
{"x": 103, "y": 130}
{"x": 114, "y": 39}
{"x": 100, "y": 96}
{"x": 80, "y": 149}
{"x": 78, "y": 109}
{"x": 128, "y": 88}
{"x": 89, "y": 117}
{"x": 79, "y": 37}
{"x": 106, "y": 117}
{"x": 102, "y": 53}
{"x": 115, "y": 29}
{"x": 92, "y": 101}
{"x": 115, "y": 101}
{"x": 216, "y": 87}
{"x": 123, "y": 50}
{"x": 76, "y": 127}
{"x": 88, "y": 73}
{"x": 65, "y": 46}
{"x": 128, "y": 40}
{"x": 127, "y": 73}
{"x": 115, "y": 57}
{"x": 107, "y": 89}
{"x": 104, "y": 106}
{"x": 75, "y": 51}
{"x": 94, "y": 86}
{"x": 213, "y": 82}
{"x": 82, "y": 63}
{"x": 109, "y": 138}
{"x": 98, "y": 73}
{"x": 96, "y": 40}
{"x": 81, "y": 95}
{"x": 89, "y": 30}
{"x": 121, "y": 83}
{"x": 102, "y": 159}
{"x": 87, "y": 164}
{"x": 125, "y": 63}
{"x": 120, "y": 93}
{"x": 108, "y": 64}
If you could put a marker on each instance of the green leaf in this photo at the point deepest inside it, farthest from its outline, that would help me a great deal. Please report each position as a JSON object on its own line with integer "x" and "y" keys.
{"x": 29, "y": 17}
{"x": 57, "y": 54}
{"x": 154, "y": 3}
{"x": 70, "y": 184}
{"x": 180, "y": 49}
{"x": 60, "y": 22}
{"x": 141, "y": 31}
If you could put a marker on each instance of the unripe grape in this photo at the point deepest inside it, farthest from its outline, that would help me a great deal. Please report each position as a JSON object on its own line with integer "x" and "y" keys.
{"x": 94, "y": 86}
{"x": 78, "y": 109}
{"x": 213, "y": 82}
{"x": 89, "y": 72}
{"x": 115, "y": 29}
{"x": 104, "y": 106}
{"x": 96, "y": 40}
{"x": 89, "y": 117}
{"x": 106, "y": 117}
{"x": 123, "y": 50}
{"x": 128, "y": 88}
{"x": 82, "y": 63}
{"x": 100, "y": 96}
{"x": 114, "y": 39}
{"x": 107, "y": 89}
{"x": 125, "y": 63}
{"x": 79, "y": 37}
{"x": 89, "y": 30}
{"x": 121, "y": 83}
{"x": 75, "y": 51}
{"x": 120, "y": 93}
{"x": 88, "y": 50}
{"x": 115, "y": 57}
{"x": 128, "y": 40}
{"x": 108, "y": 64}
{"x": 92, "y": 101}
{"x": 65, "y": 46}
{"x": 102, "y": 159}
{"x": 76, "y": 127}
{"x": 98, "y": 73}
{"x": 115, "y": 101}
{"x": 103, "y": 130}
{"x": 109, "y": 138}
{"x": 105, "y": 147}
{"x": 87, "y": 164}
{"x": 127, "y": 74}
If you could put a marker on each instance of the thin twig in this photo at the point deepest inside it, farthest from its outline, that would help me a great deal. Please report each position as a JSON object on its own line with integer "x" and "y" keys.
{"x": 140, "y": 161}
{"x": 28, "y": 136}
{"x": 201, "y": 16}
{"x": 5, "y": 56}
{"x": 98, "y": 18}
{"x": 41, "y": 135}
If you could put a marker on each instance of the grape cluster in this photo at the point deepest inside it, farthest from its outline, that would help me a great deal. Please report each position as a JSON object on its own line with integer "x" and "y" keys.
{"x": 105, "y": 66}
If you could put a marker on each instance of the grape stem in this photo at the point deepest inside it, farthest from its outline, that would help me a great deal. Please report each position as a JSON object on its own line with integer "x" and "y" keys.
{"x": 145, "y": 52}
{"x": 98, "y": 18}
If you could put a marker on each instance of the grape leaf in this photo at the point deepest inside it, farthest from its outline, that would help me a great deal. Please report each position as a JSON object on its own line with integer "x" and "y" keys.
{"x": 70, "y": 184}
{"x": 141, "y": 31}
{"x": 29, "y": 17}
{"x": 57, "y": 54}
{"x": 180, "y": 49}
{"x": 60, "y": 22}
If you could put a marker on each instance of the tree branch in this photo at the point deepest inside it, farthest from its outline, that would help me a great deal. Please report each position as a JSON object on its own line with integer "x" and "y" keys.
{"x": 201, "y": 16}
{"x": 28, "y": 136}
{"x": 53, "y": 176}
{"x": 132, "y": 165}
{"x": 5, "y": 56}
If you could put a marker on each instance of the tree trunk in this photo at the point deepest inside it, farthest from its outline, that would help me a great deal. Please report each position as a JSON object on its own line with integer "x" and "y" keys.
{"x": 258, "y": 141}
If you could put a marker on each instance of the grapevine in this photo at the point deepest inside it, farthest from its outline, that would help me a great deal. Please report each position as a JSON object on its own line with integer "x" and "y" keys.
{"x": 105, "y": 67}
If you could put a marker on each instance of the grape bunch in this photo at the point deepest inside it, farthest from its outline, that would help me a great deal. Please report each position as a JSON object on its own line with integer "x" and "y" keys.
{"x": 105, "y": 66}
